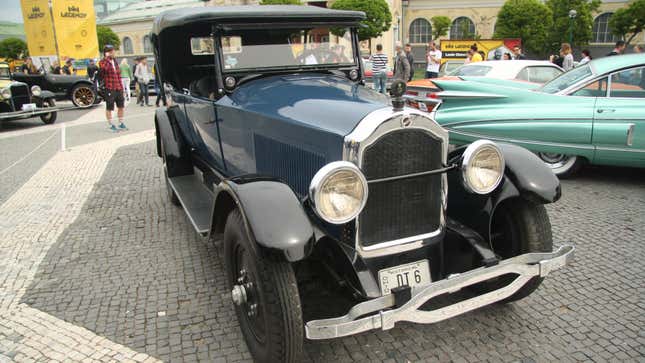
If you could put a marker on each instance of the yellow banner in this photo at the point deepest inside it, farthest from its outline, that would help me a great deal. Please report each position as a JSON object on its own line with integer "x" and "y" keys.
{"x": 38, "y": 27}
{"x": 492, "y": 48}
{"x": 75, "y": 24}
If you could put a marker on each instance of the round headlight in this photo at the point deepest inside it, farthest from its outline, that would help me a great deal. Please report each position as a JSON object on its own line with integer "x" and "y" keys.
{"x": 482, "y": 167}
{"x": 5, "y": 92}
{"x": 338, "y": 192}
{"x": 35, "y": 90}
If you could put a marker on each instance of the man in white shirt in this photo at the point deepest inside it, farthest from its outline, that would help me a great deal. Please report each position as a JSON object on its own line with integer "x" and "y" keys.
{"x": 434, "y": 61}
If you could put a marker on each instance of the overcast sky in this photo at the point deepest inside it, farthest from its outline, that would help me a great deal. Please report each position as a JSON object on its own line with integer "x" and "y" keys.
{"x": 11, "y": 11}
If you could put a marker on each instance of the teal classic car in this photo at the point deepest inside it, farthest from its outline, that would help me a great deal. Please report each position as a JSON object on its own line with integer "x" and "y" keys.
{"x": 594, "y": 113}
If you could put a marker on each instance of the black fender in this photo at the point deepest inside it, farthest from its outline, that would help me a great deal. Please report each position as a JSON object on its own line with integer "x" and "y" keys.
{"x": 273, "y": 215}
{"x": 44, "y": 95}
{"x": 525, "y": 176}
{"x": 171, "y": 145}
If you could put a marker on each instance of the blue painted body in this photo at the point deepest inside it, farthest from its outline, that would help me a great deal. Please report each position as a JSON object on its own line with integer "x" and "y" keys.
{"x": 286, "y": 127}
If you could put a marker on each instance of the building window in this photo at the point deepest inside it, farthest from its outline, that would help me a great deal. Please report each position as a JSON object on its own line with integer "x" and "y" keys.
{"x": 601, "y": 30}
{"x": 462, "y": 28}
{"x": 420, "y": 31}
{"x": 127, "y": 45}
{"x": 147, "y": 44}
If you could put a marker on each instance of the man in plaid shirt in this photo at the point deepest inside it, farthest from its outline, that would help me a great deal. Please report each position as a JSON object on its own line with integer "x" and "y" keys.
{"x": 111, "y": 76}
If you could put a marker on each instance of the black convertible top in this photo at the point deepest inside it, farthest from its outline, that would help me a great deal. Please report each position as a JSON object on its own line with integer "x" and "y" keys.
{"x": 255, "y": 13}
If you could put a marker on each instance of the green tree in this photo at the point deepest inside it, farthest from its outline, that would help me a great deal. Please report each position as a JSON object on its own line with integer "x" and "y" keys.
{"x": 14, "y": 48}
{"x": 280, "y": 2}
{"x": 628, "y": 22}
{"x": 107, "y": 36}
{"x": 582, "y": 23}
{"x": 529, "y": 20}
{"x": 440, "y": 26}
{"x": 378, "y": 16}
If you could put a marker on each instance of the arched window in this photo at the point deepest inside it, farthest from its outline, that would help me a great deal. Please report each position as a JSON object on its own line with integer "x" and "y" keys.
{"x": 601, "y": 32}
{"x": 420, "y": 31}
{"x": 462, "y": 28}
{"x": 147, "y": 44}
{"x": 127, "y": 45}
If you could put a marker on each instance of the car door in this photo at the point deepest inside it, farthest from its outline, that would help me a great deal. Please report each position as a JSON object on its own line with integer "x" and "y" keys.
{"x": 202, "y": 114}
{"x": 619, "y": 120}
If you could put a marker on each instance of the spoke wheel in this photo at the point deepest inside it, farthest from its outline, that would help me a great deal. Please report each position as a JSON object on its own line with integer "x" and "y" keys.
{"x": 83, "y": 96}
{"x": 49, "y": 118}
{"x": 562, "y": 165}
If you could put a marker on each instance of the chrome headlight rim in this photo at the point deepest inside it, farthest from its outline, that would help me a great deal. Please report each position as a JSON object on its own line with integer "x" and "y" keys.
{"x": 469, "y": 156}
{"x": 5, "y": 93}
{"x": 323, "y": 175}
{"x": 36, "y": 90}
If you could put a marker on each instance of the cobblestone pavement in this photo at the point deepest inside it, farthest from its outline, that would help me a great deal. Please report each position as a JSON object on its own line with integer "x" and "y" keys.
{"x": 101, "y": 266}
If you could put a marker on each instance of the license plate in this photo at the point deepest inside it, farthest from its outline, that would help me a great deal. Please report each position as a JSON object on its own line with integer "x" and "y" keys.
{"x": 412, "y": 274}
{"x": 422, "y": 106}
{"x": 29, "y": 107}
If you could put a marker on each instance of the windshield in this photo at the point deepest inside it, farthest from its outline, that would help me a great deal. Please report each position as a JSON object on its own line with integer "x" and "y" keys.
{"x": 471, "y": 71}
{"x": 4, "y": 73}
{"x": 278, "y": 48}
{"x": 566, "y": 79}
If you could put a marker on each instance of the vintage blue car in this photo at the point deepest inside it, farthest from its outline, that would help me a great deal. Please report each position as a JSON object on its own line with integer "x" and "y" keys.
{"x": 272, "y": 142}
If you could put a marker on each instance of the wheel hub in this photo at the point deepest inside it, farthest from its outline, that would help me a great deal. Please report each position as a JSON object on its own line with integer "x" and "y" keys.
{"x": 242, "y": 293}
{"x": 239, "y": 295}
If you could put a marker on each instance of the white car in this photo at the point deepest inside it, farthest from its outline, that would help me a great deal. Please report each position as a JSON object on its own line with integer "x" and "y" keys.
{"x": 521, "y": 70}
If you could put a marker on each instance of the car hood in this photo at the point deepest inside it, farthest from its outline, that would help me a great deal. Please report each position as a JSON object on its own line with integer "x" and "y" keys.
{"x": 327, "y": 102}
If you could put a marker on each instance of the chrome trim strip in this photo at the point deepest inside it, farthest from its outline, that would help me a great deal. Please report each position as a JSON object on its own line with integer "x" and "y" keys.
{"x": 378, "y": 315}
{"x": 515, "y": 141}
{"x": 375, "y": 125}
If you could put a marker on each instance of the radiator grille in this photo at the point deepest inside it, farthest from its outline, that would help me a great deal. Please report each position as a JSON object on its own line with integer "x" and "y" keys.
{"x": 293, "y": 165}
{"x": 404, "y": 207}
{"x": 19, "y": 95}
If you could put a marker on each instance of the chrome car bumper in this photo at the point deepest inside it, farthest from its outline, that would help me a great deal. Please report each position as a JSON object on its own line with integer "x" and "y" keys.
{"x": 383, "y": 316}
{"x": 27, "y": 114}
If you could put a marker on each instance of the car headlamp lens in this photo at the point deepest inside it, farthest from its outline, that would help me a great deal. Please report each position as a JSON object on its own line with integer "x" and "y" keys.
{"x": 339, "y": 192}
{"x": 5, "y": 92}
{"x": 482, "y": 167}
{"x": 35, "y": 90}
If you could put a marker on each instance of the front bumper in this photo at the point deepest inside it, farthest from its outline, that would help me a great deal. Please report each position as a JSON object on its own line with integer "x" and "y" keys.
{"x": 379, "y": 312}
{"x": 27, "y": 114}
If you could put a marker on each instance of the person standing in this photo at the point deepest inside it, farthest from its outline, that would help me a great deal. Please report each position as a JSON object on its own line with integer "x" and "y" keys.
{"x": 638, "y": 49}
{"x": 618, "y": 49}
{"x": 92, "y": 72}
{"x": 517, "y": 53}
{"x": 408, "y": 53}
{"x": 137, "y": 94}
{"x": 401, "y": 65}
{"x": 586, "y": 57}
{"x": 161, "y": 96}
{"x": 434, "y": 61}
{"x": 111, "y": 75}
{"x": 126, "y": 76}
{"x": 143, "y": 78}
{"x": 567, "y": 61}
{"x": 379, "y": 69}
{"x": 507, "y": 56}
{"x": 476, "y": 56}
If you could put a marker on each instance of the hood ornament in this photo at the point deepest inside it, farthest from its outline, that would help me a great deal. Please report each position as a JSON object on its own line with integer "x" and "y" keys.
{"x": 397, "y": 90}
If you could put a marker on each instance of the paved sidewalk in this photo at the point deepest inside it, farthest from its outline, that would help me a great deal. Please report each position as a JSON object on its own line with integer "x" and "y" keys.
{"x": 101, "y": 266}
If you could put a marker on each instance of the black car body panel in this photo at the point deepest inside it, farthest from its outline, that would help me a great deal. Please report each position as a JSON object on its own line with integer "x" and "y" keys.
{"x": 61, "y": 85}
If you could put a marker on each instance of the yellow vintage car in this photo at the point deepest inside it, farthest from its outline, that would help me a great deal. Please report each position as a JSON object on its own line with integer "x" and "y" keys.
{"x": 18, "y": 101}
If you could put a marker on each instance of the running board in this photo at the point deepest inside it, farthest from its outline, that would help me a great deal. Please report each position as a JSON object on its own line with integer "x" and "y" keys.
{"x": 196, "y": 199}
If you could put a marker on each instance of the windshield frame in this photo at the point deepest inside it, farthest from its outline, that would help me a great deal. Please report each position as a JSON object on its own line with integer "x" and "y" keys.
{"x": 572, "y": 87}
{"x": 221, "y": 31}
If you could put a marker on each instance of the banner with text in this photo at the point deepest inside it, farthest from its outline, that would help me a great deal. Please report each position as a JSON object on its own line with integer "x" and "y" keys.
{"x": 492, "y": 48}
{"x": 75, "y": 24}
{"x": 39, "y": 28}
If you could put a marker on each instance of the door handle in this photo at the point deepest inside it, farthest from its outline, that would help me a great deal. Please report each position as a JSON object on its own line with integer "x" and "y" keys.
{"x": 601, "y": 110}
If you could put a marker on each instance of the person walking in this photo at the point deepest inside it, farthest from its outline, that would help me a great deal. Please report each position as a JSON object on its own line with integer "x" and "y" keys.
{"x": 137, "y": 94}
{"x": 379, "y": 69}
{"x": 618, "y": 49}
{"x": 566, "y": 53}
{"x": 143, "y": 78}
{"x": 126, "y": 76}
{"x": 401, "y": 65}
{"x": 434, "y": 61}
{"x": 111, "y": 75}
{"x": 586, "y": 57}
{"x": 161, "y": 96}
{"x": 408, "y": 53}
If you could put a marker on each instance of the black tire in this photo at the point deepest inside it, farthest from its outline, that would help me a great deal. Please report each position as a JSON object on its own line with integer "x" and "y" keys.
{"x": 49, "y": 118}
{"x": 275, "y": 332}
{"x": 518, "y": 227}
{"x": 174, "y": 199}
{"x": 83, "y": 95}
{"x": 563, "y": 166}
